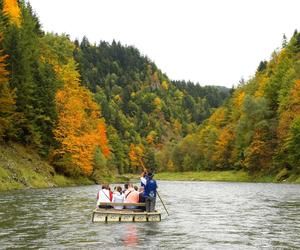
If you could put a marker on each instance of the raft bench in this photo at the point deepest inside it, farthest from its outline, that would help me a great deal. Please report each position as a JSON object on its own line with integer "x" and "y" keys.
{"x": 109, "y": 214}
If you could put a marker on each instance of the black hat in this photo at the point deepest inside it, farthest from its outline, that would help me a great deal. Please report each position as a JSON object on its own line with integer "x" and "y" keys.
{"x": 150, "y": 174}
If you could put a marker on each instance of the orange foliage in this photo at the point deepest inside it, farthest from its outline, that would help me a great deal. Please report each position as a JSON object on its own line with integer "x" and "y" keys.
{"x": 150, "y": 138}
{"x": 79, "y": 129}
{"x": 3, "y": 71}
{"x": 7, "y": 101}
{"x": 258, "y": 154}
{"x": 223, "y": 148}
{"x": 102, "y": 139}
{"x": 135, "y": 154}
{"x": 12, "y": 9}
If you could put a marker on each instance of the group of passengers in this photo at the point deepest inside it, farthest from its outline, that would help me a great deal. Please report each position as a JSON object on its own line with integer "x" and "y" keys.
{"x": 130, "y": 194}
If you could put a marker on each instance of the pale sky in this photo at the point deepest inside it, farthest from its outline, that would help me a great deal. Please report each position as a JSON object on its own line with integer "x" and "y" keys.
{"x": 213, "y": 42}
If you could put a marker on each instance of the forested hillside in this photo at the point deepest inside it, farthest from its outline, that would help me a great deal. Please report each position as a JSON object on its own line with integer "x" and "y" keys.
{"x": 257, "y": 129}
{"x": 143, "y": 108}
{"x": 94, "y": 110}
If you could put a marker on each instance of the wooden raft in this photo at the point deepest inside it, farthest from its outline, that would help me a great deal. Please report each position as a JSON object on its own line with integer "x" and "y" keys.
{"x": 124, "y": 215}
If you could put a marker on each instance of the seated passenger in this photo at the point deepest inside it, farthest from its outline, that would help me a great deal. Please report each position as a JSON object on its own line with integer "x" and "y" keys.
{"x": 104, "y": 195}
{"x": 131, "y": 196}
{"x": 141, "y": 194}
{"x": 141, "y": 198}
{"x": 125, "y": 187}
{"x": 118, "y": 196}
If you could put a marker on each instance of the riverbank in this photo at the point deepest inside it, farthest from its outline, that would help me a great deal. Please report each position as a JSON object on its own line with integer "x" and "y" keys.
{"x": 21, "y": 167}
{"x": 232, "y": 176}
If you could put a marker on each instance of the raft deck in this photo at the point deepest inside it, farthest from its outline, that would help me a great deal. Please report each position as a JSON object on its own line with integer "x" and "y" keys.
{"x": 124, "y": 215}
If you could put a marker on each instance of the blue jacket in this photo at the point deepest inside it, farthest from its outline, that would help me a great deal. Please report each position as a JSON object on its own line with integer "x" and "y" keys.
{"x": 150, "y": 188}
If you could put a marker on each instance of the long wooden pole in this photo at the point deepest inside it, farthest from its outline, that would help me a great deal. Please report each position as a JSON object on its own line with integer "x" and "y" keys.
{"x": 156, "y": 190}
{"x": 162, "y": 202}
{"x": 144, "y": 168}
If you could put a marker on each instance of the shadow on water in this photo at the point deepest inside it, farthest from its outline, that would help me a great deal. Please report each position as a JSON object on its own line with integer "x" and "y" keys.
{"x": 203, "y": 215}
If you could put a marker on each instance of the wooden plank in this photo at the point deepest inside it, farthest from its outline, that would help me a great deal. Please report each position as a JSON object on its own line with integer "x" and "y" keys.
{"x": 124, "y": 215}
{"x": 113, "y": 217}
{"x": 154, "y": 217}
{"x": 118, "y": 211}
{"x": 140, "y": 204}
{"x": 140, "y": 217}
{"x": 98, "y": 217}
{"x": 127, "y": 217}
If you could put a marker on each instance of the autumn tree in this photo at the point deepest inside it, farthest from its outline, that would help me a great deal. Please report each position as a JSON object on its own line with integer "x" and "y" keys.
{"x": 79, "y": 130}
{"x": 7, "y": 102}
{"x": 136, "y": 154}
{"x": 12, "y": 10}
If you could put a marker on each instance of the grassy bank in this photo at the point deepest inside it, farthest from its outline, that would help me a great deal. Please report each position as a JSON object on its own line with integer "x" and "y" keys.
{"x": 234, "y": 176}
{"x": 21, "y": 167}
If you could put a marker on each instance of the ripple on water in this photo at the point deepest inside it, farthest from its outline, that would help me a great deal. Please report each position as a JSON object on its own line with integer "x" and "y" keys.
{"x": 203, "y": 215}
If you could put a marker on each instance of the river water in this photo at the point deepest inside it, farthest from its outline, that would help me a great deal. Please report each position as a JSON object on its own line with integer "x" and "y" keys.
{"x": 203, "y": 215}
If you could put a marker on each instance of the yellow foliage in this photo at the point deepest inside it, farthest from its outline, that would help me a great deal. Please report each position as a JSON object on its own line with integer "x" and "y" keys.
{"x": 239, "y": 98}
{"x": 178, "y": 95}
{"x": 12, "y": 9}
{"x": 177, "y": 127}
{"x": 222, "y": 152}
{"x": 157, "y": 103}
{"x": 151, "y": 137}
{"x": 118, "y": 98}
{"x": 165, "y": 85}
{"x": 218, "y": 117}
{"x": 291, "y": 111}
{"x": 262, "y": 80}
{"x": 170, "y": 166}
{"x": 135, "y": 154}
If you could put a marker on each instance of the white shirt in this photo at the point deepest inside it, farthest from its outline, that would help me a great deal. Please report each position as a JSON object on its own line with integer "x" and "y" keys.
{"x": 103, "y": 196}
{"x": 117, "y": 197}
{"x": 144, "y": 180}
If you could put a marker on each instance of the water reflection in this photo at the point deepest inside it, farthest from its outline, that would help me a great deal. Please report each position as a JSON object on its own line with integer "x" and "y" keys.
{"x": 130, "y": 236}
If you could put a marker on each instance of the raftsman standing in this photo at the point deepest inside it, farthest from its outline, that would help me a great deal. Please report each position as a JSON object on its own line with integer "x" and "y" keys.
{"x": 150, "y": 187}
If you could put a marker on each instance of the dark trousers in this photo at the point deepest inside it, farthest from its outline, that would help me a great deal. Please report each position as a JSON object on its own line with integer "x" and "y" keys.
{"x": 150, "y": 203}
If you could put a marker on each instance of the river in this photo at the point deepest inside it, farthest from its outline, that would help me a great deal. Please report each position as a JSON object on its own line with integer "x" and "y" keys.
{"x": 203, "y": 215}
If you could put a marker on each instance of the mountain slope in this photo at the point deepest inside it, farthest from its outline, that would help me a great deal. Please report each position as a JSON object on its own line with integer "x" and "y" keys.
{"x": 257, "y": 129}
